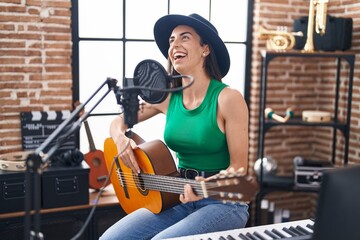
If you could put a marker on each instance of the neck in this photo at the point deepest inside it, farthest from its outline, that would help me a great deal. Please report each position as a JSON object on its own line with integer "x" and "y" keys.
{"x": 194, "y": 95}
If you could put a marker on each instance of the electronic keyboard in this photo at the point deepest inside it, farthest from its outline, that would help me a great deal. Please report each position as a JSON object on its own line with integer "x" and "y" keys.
{"x": 294, "y": 230}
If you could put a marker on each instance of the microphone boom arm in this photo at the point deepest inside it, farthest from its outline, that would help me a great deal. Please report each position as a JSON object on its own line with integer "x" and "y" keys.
{"x": 36, "y": 160}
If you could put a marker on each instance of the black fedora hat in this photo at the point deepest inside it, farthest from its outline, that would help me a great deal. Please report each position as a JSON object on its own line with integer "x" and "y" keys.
{"x": 165, "y": 25}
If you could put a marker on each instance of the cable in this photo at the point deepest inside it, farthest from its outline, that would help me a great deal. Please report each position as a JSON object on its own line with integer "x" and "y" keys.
{"x": 87, "y": 221}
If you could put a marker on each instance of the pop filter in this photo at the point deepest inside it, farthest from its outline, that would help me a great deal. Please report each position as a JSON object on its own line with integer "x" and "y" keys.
{"x": 152, "y": 75}
{"x": 151, "y": 82}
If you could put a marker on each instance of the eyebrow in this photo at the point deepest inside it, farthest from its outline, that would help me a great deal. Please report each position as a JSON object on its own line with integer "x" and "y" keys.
{"x": 181, "y": 34}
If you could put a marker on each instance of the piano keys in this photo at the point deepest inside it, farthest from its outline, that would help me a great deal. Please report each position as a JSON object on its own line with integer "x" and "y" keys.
{"x": 294, "y": 230}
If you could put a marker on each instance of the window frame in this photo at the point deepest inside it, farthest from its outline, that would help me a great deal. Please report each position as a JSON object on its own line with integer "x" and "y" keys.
{"x": 76, "y": 57}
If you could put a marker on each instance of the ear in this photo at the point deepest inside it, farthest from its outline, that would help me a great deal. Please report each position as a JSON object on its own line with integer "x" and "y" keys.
{"x": 206, "y": 50}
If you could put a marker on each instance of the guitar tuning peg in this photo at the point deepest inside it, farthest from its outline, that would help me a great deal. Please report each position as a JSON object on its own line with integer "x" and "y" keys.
{"x": 235, "y": 195}
{"x": 239, "y": 196}
{"x": 227, "y": 173}
{"x": 222, "y": 174}
{"x": 229, "y": 201}
{"x": 236, "y": 181}
{"x": 230, "y": 173}
{"x": 240, "y": 171}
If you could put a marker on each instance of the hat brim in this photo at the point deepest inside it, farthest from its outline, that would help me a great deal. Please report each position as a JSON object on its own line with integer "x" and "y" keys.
{"x": 165, "y": 25}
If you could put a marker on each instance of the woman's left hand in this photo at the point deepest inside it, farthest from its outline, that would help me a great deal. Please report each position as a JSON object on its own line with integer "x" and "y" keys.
{"x": 189, "y": 195}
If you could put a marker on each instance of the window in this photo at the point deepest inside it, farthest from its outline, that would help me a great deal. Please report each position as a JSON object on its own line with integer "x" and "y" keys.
{"x": 111, "y": 37}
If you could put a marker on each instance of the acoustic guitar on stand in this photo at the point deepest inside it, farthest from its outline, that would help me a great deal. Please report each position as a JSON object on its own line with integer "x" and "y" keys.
{"x": 94, "y": 158}
{"x": 158, "y": 185}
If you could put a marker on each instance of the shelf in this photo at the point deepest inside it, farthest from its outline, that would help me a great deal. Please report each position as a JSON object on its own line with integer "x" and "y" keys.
{"x": 297, "y": 121}
{"x": 283, "y": 183}
{"x": 269, "y": 55}
{"x": 270, "y": 184}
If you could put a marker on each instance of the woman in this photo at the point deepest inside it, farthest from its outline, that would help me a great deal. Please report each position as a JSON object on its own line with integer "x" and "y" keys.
{"x": 206, "y": 125}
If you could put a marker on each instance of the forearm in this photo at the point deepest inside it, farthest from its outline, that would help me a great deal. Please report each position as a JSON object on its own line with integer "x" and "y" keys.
{"x": 118, "y": 128}
{"x": 238, "y": 144}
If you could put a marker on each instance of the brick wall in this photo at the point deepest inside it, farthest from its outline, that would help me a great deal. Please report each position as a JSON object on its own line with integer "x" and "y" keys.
{"x": 35, "y": 67}
{"x": 300, "y": 84}
{"x": 35, "y": 62}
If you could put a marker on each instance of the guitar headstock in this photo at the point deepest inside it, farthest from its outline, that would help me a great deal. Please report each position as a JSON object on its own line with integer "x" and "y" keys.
{"x": 231, "y": 186}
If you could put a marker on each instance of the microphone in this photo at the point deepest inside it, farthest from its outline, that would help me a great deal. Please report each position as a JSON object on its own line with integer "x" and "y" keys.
{"x": 130, "y": 102}
{"x": 151, "y": 82}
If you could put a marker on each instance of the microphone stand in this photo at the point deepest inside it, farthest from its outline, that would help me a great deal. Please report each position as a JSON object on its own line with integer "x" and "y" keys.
{"x": 36, "y": 161}
{"x": 129, "y": 101}
{"x": 128, "y": 97}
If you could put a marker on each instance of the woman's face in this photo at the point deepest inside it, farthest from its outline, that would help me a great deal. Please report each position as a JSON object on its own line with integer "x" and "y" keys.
{"x": 186, "y": 53}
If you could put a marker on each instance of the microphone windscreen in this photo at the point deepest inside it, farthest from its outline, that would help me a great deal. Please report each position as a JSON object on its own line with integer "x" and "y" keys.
{"x": 151, "y": 74}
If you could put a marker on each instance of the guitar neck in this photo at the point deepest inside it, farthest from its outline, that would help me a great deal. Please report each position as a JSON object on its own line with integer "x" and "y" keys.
{"x": 89, "y": 136}
{"x": 224, "y": 189}
{"x": 170, "y": 184}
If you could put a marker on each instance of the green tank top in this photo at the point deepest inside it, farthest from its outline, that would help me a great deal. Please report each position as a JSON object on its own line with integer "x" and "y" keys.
{"x": 194, "y": 134}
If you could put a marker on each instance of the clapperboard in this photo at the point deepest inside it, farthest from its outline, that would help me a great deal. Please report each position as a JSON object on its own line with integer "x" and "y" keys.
{"x": 37, "y": 126}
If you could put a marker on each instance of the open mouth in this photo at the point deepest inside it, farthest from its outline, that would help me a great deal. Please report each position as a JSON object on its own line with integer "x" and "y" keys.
{"x": 179, "y": 56}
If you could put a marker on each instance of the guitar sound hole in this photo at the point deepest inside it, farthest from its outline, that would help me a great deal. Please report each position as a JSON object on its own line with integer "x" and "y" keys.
{"x": 96, "y": 162}
{"x": 139, "y": 182}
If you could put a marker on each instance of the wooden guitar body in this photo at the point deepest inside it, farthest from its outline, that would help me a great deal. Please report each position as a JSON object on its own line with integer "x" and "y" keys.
{"x": 158, "y": 185}
{"x": 98, "y": 171}
{"x": 95, "y": 159}
{"x": 133, "y": 195}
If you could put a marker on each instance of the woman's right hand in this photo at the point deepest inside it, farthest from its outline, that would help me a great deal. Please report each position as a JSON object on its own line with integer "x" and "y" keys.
{"x": 125, "y": 145}
{"x": 125, "y": 148}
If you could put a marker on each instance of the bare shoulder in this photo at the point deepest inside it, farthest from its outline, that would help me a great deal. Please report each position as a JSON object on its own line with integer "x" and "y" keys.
{"x": 232, "y": 107}
{"x": 231, "y": 97}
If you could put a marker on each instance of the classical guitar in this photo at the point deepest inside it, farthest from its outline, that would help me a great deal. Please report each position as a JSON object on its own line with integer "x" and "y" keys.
{"x": 158, "y": 185}
{"x": 96, "y": 161}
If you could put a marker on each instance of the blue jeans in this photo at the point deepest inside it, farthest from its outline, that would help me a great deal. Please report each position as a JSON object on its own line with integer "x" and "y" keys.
{"x": 204, "y": 216}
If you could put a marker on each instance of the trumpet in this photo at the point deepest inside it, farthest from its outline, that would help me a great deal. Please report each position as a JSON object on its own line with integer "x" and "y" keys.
{"x": 320, "y": 7}
{"x": 279, "y": 39}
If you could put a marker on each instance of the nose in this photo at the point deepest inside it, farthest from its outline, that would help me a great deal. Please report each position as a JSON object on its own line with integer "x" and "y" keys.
{"x": 176, "y": 41}
{"x": 173, "y": 45}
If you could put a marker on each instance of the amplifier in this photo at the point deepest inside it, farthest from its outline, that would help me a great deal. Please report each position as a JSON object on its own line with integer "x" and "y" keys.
{"x": 60, "y": 187}
{"x": 308, "y": 173}
{"x": 309, "y": 177}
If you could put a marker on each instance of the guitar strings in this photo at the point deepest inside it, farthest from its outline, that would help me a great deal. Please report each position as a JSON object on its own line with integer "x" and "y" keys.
{"x": 132, "y": 183}
{"x": 162, "y": 183}
{"x": 160, "y": 179}
{"x": 166, "y": 187}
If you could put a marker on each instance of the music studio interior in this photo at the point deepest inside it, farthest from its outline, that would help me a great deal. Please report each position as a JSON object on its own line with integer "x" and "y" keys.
{"x": 298, "y": 68}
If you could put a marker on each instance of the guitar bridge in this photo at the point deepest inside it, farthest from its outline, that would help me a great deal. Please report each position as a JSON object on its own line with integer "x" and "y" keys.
{"x": 118, "y": 172}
